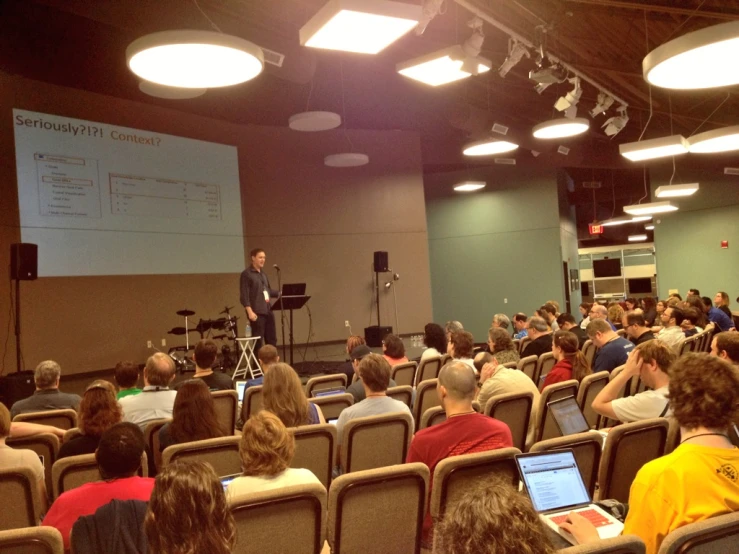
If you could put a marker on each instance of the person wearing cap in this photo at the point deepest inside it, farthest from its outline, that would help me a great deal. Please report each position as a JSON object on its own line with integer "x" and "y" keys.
{"x": 356, "y": 389}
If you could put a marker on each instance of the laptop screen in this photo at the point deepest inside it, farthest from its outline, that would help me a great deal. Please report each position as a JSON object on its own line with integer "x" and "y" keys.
{"x": 568, "y": 416}
{"x": 328, "y": 392}
{"x": 240, "y": 388}
{"x": 293, "y": 289}
{"x": 552, "y": 480}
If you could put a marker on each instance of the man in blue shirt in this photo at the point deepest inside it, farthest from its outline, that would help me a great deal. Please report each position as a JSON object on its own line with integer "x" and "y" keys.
{"x": 716, "y": 316}
{"x": 613, "y": 350}
{"x": 519, "y": 324}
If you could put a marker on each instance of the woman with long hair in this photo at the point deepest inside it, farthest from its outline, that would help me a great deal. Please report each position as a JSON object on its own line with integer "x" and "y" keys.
{"x": 284, "y": 396}
{"x": 650, "y": 309}
{"x": 347, "y": 368}
{"x": 188, "y": 512}
{"x": 393, "y": 350}
{"x": 615, "y": 315}
{"x": 501, "y": 346}
{"x": 696, "y": 303}
{"x": 585, "y": 313}
{"x": 193, "y": 416}
{"x": 434, "y": 338}
{"x": 99, "y": 411}
{"x": 571, "y": 362}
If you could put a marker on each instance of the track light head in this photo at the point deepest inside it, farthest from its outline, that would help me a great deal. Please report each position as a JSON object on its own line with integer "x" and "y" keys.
{"x": 516, "y": 52}
{"x": 568, "y": 101}
{"x": 604, "y": 102}
{"x": 615, "y": 124}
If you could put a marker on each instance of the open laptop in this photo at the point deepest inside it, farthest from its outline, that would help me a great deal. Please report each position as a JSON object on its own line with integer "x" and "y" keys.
{"x": 568, "y": 416}
{"x": 293, "y": 289}
{"x": 328, "y": 392}
{"x": 226, "y": 480}
{"x": 556, "y": 488}
{"x": 240, "y": 388}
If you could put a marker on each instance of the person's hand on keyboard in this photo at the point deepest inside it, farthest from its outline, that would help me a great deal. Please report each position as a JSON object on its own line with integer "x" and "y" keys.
{"x": 580, "y": 528}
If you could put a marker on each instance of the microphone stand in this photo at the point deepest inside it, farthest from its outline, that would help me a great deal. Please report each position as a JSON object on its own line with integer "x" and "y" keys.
{"x": 282, "y": 314}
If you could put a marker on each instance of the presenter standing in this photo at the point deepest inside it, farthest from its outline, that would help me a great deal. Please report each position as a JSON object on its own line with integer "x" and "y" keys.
{"x": 255, "y": 295}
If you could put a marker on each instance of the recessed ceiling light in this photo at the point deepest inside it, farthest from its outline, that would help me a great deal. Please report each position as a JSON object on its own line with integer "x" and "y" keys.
{"x": 194, "y": 59}
{"x": 637, "y": 238}
{"x": 362, "y": 26}
{"x": 725, "y": 139}
{"x": 674, "y": 191}
{"x": 170, "y": 93}
{"x": 443, "y": 66}
{"x": 650, "y": 208}
{"x": 346, "y": 159}
{"x": 469, "y": 186}
{"x": 314, "y": 121}
{"x": 561, "y": 128}
{"x": 488, "y": 147}
{"x": 654, "y": 148}
{"x": 701, "y": 59}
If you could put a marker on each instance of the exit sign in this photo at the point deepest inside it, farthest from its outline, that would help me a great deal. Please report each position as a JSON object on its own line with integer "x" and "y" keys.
{"x": 595, "y": 229}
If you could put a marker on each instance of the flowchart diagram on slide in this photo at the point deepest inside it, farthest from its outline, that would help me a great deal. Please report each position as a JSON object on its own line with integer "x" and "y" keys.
{"x": 68, "y": 186}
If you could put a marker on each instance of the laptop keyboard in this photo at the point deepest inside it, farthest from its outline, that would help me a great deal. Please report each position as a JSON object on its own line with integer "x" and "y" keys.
{"x": 593, "y": 516}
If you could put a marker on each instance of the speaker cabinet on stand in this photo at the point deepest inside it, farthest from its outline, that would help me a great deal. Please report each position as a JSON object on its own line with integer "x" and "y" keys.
{"x": 375, "y": 333}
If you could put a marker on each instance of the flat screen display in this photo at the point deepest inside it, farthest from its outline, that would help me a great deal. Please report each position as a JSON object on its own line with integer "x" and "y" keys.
{"x": 641, "y": 285}
{"x": 607, "y": 268}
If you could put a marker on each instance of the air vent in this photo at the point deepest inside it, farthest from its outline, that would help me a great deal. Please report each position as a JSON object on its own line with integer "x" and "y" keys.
{"x": 272, "y": 57}
{"x": 731, "y": 170}
{"x": 591, "y": 184}
{"x": 563, "y": 150}
{"x": 505, "y": 161}
{"x": 501, "y": 129}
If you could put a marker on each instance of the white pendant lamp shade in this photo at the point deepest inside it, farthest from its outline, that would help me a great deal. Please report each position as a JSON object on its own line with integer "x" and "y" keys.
{"x": 194, "y": 59}
{"x": 443, "y": 66}
{"x": 650, "y": 208}
{"x": 649, "y": 227}
{"x": 170, "y": 93}
{"x": 314, "y": 121}
{"x": 469, "y": 186}
{"x": 725, "y": 139}
{"x": 561, "y": 128}
{"x": 638, "y": 238}
{"x": 488, "y": 147}
{"x": 699, "y": 60}
{"x": 675, "y": 191}
{"x": 362, "y": 26}
{"x": 346, "y": 159}
{"x": 654, "y": 148}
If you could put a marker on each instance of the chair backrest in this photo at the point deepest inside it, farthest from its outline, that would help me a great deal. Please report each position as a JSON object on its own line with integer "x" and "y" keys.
{"x": 252, "y": 402}
{"x": 517, "y": 345}
{"x": 404, "y": 393}
{"x": 673, "y": 435}
{"x": 226, "y": 404}
{"x": 74, "y": 471}
{"x": 513, "y": 409}
{"x": 706, "y": 340}
{"x": 445, "y": 359}
{"x": 544, "y": 365}
{"x": 21, "y": 499}
{"x": 624, "y": 544}
{"x": 32, "y": 540}
{"x": 289, "y": 519}
{"x": 376, "y": 441}
{"x": 63, "y": 419}
{"x": 621, "y": 333}
{"x": 428, "y": 369}
{"x": 404, "y": 374}
{"x": 332, "y": 406}
{"x": 546, "y": 427}
{"x": 587, "y": 448}
{"x": 623, "y": 393}
{"x": 46, "y": 445}
{"x": 151, "y": 436}
{"x": 589, "y": 388}
{"x": 387, "y": 503}
{"x": 69, "y": 434}
{"x": 432, "y": 416}
{"x": 523, "y": 344}
{"x": 628, "y": 448}
{"x": 510, "y": 365}
{"x": 528, "y": 366}
{"x": 426, "y": 397}
{"x": 456, "y": 475}
{"x": 690, "y": 344}
{"x": 588, "y": 350}
{"x": 715, "y": 535}
{"x": 315, "y": 449}
{"x": 221, "y": 453}
{"x": 324, "y": 382}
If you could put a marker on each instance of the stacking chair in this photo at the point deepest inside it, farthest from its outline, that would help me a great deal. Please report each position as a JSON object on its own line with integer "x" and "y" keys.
{"x": 628, "y": 448}
{"x": 404, "y": 393}
{"x": 621, "y": 333}
{"x": 426, "y": 397}
{"x": 546, "y": 427}
{"x": 510, "y": 365}
{"x": 432, "y": 416}
{"x": 289, "y": 519}
{"x": 221, "y": 453}
{"x": 74, "y": 471}
{"x": 523, "y": 343}
{"x": 226, "y": 404}
{"x": 332, "y": 406}
{"x": 378, "y": 511}
{"x": 428, "y": 369}
{"x": 315, "y": 449}
{"x": 588, "y": 350}
{"x": 31, "y": 540}
{"x": 63, "y": 419}
{"x": 590, "y": 387}
{"x": 22, "y": 503}
{"x": 673, "y": 435}
{"x": 376, "y": 441}
{"x": 445, "y": 359}
{"x": 324, "y": 382}
{"x": 587, "y": 448}
{"x": 45, "y": 445}
{"x": 517, "y": 345}
{"x": 624, "y": 544}
{"x": 252, "y": 402}
{"x": 404, "y": 374}
{"x": 544, "y": 365}
{"x": 716, "y": 535}
{"x": 69, "y": 434}
{"x": 513, "y": 409}
{"x": 151, "y": 436}
{"x": 528, "y": 366}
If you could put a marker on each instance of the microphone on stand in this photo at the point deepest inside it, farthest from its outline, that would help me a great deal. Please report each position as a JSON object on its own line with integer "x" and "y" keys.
{"x": 277, "y": 267}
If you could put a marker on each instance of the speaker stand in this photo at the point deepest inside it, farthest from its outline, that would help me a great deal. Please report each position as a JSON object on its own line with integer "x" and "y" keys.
{"x": 17, "y": 325}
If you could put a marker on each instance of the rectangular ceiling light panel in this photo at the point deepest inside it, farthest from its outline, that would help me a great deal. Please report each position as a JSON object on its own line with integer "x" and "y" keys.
{"x": 654, "y": 148}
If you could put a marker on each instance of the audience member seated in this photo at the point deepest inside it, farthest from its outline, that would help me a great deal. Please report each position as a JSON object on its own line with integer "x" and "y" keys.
{"x": 693, "y": 292}
{"x": 716, "y": 316}
{"x": 188, "y": 512}
{"x": 674, "y": 296}
{"x": 127, "y": 379}
{"x": 549, "y": 314}
{"x": 47, "y": 395}
{"x": 615, "y": 314}
{"x": 266, "y": 450}
{"x": 356, "y": 389}
{"x": 541, "y": 338}
{"x": 12, "y": 457}
{"x": 612, "y": 349}
{"x": 393, "y": 350}
{"x": 500, "y": 345}
{"x": 631, "y": 304}
{"x": 690, "y": 323}
{"x": 571, "y": 363}
{"x": 650, "y": 310}
{"x": 637, "y": 330}
{"x": 452, "y": 327}
{"x": 193, "y": 416}
{"x": 491, "y": 518}
{"x": 461, "y": 348}
{"x": 698, "y": 480}
{"x": 726, "y": 346}
{"x": 119, "y": 457}
{"x": 696, "y": 303}
{"x": 585, "y": 313}
{"x": 204, "y": 356}
{"x": 156, "y": 399}
{"x": 722, "y": 303}
{"x": 347, "y": 368}
{"x": 115, "y": 528}
{"x": 464, "y": 431}
{"x": 283, "y": 395}
{"x": 672, "y": 333}
{"x": 600, "y": 312}
{"x": 659, "y": 310}
{"x": 519, "y": 324}
{"x": 267, "y": 356}
{"x": 435, "y": 341}
{"x": 567, "y": 322}
{"x": 501, "y": 321}
{"x": 651, "y": 362}
{"x": 99, "y": 411}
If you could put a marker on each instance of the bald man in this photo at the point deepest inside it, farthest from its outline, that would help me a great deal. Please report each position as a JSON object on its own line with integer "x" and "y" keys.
{"x": 600, "y": 312}
{"x": 464, "y": 431}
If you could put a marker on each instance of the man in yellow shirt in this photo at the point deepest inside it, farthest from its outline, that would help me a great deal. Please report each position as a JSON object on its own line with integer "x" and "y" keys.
{"x": 700, "y": 478}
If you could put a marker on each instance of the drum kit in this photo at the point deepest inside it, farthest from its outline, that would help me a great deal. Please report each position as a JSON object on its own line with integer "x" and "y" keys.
{"x": 221, "y": 329}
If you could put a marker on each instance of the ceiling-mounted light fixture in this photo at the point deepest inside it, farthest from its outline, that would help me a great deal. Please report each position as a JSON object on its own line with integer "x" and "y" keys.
{"x": 362, "y": 26}
{"x": 170, "y": 93}
{"x": 674, "y": 191}
{"x": 548, "y": 75}
{"x": 314, "y": 121}
{"x": 605, "y": 101}
{"x": 699, "y": 60}
{"x": 625, "y": 220}
{"x": 654, "y": 148}
{"x": 469, "y": 186}
{"x": 568, "y": 102}
{"x": 488, "y": 147}
{"x": 650, "y": 208}
{"x": 614, "y": 125}
{"x": 516, "y": 51}
{"x": 561, "y": 128}
{"x": 637, "y": 238}
{"x": 725, "y": 139}
{"x": 649, "y": 227}
{"x": 194, "y": 59}
{"x": 346, "y": 159}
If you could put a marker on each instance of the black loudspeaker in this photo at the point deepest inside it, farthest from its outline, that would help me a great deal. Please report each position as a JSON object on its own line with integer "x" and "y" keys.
{"x": 374, "y": 335}
{"x": 24, "y": 261}
{"x": 16, "y": 386}
{"x": 381, "y": 262}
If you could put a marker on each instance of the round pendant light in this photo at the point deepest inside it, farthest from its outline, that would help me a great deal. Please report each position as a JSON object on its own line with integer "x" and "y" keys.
{"x": 194, "y": 59}
{"x": 561, "y": 128}
{"x": 488, "y": 147}
{"x": 170, "y": 93}
{"x": 346, "y": 159}
{"x": 314, "y": 121}
{"x": 725, "y": 139}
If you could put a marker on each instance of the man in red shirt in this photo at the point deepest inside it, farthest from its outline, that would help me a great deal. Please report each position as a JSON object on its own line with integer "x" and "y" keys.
{"x": 119, "y": 457}
{"x": 464, "y": 431}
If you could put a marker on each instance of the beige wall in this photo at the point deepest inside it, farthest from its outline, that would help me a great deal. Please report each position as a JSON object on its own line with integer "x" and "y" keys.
{"x": 320, "y": 225}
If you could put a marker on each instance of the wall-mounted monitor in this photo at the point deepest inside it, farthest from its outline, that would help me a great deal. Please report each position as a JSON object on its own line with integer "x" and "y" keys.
{"x": 610, "y": 267}
{"x": 641, "y": 285}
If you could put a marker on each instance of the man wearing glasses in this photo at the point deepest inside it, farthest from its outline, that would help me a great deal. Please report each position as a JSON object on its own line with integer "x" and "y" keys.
{"x": 636, "y": 328}
{"x": 600, "y": 312}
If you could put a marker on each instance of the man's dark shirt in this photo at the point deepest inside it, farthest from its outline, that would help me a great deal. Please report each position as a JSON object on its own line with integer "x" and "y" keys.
{"x": 539, "y": 346}
{"x": 46, "y": 399}
{"x": 215, "y": 381}
{"x": 644, "y": 337}
{"x": 253, "y": 285}
{"x": 612, "y": 354}
{"x": 580, "y": 333}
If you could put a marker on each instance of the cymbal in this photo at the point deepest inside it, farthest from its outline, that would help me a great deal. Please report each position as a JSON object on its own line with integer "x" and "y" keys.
{"x": 226, "y": 310}
{"x": 180, "y": 331}
{"x": 185, "y": 313}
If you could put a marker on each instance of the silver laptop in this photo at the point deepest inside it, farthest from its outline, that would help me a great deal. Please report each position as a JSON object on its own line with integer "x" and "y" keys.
{"x": 568, "y": 416}
{"x": 328, "y": 392}
{"x": 240, "y": 388}
{"x": 556, "y": 488}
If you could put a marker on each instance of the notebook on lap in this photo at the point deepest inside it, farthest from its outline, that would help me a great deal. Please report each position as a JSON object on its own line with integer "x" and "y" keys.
{"x": 555, "y": 486}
